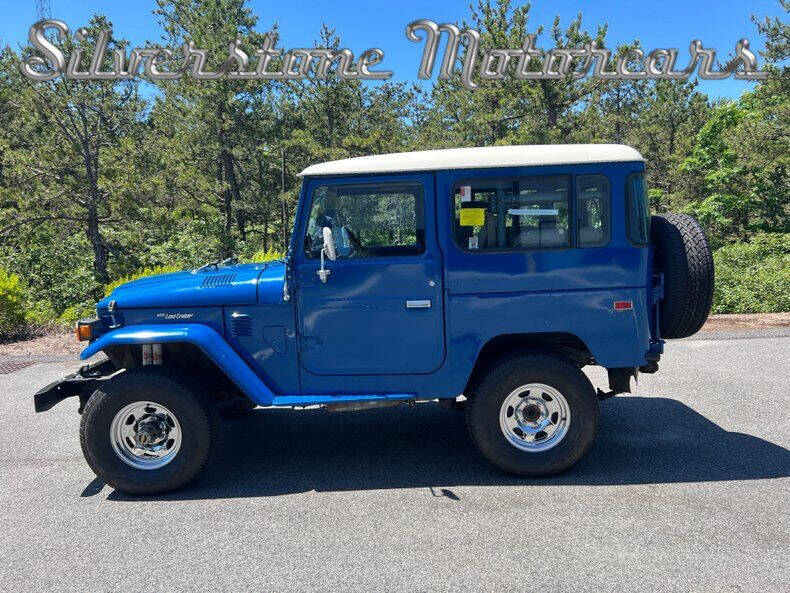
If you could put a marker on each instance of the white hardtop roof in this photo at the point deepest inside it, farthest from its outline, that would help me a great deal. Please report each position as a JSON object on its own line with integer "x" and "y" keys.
{"x": 478, "y": 158}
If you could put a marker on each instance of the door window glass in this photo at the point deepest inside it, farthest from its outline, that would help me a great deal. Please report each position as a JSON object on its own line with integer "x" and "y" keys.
{"x": 512, "y": 214}
{"x": 592, "y": 210}
{"x": 368, "y": 220}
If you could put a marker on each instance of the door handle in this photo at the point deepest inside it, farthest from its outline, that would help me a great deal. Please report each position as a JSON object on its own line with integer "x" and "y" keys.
{"x": 423, "y": 304}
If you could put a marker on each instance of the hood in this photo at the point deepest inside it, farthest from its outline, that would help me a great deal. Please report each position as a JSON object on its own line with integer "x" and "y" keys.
{"x": 231, "y": 285}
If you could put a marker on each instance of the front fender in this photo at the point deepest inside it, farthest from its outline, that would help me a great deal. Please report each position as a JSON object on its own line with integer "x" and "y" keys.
{"x": 205, "y": 338}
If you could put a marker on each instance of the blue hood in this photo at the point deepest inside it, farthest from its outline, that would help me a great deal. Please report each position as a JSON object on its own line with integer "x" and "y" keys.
{"x": 232, "y": 285}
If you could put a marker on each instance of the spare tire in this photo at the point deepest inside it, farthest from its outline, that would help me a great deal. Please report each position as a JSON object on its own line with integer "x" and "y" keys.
{"x": 682, "y": 253}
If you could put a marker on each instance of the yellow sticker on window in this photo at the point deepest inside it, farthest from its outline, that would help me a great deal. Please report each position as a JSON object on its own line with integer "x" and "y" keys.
{"x": 473, "y": 216}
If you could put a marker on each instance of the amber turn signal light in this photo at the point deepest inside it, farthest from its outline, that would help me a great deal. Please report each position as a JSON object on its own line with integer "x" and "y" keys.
{"x": 83, "y": 331}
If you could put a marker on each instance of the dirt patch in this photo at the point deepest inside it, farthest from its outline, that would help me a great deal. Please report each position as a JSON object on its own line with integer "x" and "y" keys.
{"x": 730, "y": 322}
{"x": 51, "y": 342}
{"x": 63, "y": 342}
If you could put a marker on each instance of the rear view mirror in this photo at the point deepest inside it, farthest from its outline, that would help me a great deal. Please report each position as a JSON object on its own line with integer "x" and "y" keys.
{"x": 329, "y": 244}
{"x": 329, "y": 250}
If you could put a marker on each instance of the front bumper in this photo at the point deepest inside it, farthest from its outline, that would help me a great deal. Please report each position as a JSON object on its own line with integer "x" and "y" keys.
{"x": 82, "y": 383}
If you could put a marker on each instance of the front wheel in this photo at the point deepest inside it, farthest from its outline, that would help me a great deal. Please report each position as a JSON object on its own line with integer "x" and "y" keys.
{"x": 146, "y": 431}
{"x": 533, "y": 415}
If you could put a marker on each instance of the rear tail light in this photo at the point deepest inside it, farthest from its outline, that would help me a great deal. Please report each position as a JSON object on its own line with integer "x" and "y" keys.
{"x": 623, "y": 305}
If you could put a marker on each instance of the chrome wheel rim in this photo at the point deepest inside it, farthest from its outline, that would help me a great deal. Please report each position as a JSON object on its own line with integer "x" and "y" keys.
{"x": 145, "y": 435}
{"x": 534, "y": 417}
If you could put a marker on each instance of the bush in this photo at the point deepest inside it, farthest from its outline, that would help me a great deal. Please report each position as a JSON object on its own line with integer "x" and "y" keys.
{"x": 12, "y": 310}
{"x": 140, "y": 274}
{"x": 753, "y": 277}
{"x": 57, "y": 271}
{"x": 75, "y": 312}
{"x": 39, "y": 315}
{"x": 270, "y": 255}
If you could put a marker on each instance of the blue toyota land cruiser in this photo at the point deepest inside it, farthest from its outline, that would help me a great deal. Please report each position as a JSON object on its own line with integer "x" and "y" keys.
{"x": 482, "y": 277}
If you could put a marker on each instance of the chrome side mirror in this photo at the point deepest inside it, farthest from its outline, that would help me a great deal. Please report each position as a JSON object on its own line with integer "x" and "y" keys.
{"x": 327, "y": 250}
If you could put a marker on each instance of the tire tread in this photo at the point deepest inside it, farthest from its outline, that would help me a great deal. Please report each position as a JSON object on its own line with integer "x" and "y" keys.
{"x": 683, "y": 251}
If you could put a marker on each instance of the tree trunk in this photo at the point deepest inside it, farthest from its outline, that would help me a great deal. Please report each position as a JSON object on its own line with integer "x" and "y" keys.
{"x": 241, "y": 223}
{"x": 97, "y": 243}
{"x": 93, "y": 232}
{"x": 266, "y": 230}
{"x": 233, "y": 191}
{"x": 552, "y": 115}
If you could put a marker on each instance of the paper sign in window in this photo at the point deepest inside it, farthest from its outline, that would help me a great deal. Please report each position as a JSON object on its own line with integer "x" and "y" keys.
{"x": 473, "y": 216}
{"x": 466, "y": 193}
{"x": 533, "y": 212}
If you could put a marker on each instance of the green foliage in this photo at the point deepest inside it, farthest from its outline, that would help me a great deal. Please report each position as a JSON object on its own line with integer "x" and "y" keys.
{"x": 270, "y": 255}
{"x": 12, "y": 312}
{"x": 39, "y": 314}
{"x": 56, "y": 269}
{"x": 738, "y": 172}
{"x": 71, "y": 314}
{"x": 140, "y": 274}
{"x": 753, "y": 277}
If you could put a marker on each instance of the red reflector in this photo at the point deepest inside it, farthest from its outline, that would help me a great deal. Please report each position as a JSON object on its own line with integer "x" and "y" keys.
{"x": 623, "y": 305}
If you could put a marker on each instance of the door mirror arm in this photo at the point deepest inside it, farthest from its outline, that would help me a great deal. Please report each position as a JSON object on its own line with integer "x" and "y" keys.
{"x": 328, "y": 250}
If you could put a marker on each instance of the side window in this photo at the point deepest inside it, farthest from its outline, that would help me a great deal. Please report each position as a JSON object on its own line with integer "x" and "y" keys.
{"x": 637, "y": 210}
{"x": 592, "y": 210}
{"x": 368, "y": 220}
{"x": 515, "y": 214}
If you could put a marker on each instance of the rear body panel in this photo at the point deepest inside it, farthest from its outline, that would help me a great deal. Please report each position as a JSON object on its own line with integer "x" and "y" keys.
{"x": 568, "y": 290}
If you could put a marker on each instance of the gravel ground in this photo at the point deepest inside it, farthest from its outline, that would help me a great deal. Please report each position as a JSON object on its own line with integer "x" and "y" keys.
{"x": 735, "y": 322}
{"x": 686, "y": 489}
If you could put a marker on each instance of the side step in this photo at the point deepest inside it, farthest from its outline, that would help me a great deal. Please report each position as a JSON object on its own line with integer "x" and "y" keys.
{"x": 326, "y": 400}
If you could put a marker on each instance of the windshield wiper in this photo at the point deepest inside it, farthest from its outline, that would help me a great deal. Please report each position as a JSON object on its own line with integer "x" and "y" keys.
{"x": 211, "y": 264}
{"x": 217, "y": 264}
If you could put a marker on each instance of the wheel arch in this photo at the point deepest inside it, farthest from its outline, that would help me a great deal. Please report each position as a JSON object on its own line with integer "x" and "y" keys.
{"x": 193, "y": 346}
{"x": 563, "y": 345}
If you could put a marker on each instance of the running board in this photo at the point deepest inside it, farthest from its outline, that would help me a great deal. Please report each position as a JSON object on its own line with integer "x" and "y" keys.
{"x": 321, "y": 400}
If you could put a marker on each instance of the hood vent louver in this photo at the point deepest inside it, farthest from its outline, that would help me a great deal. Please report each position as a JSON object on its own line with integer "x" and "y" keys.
{"x": 240, "y": 325}
{"x": 216, "y": 280}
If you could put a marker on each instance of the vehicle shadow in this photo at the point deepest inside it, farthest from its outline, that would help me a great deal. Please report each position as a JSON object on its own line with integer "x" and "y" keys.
{"x": 640, "y": 441}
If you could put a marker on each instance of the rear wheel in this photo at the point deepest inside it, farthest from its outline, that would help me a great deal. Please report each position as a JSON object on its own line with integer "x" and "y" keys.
{"x": 533, "y": 415}
{"x": 146, "y": 431}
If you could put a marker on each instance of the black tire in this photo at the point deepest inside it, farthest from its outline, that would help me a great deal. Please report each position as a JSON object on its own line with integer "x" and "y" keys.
{"x": 483, "y": 409}
{"x": 683, "y": 254}
{"x": 167, "y": 388}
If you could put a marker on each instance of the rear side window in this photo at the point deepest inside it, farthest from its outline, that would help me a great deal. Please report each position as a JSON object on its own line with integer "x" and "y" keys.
{"x": 637, "y": 210}
{"x": 592, "y": 210}
{"x": 512, "y": 214}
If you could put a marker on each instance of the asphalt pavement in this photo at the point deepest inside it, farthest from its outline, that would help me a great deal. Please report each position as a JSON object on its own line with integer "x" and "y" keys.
{"x": 685, "y": 489}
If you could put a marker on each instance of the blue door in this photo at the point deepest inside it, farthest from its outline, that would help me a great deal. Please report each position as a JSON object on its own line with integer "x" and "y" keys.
{"x": 380, "y": 310}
